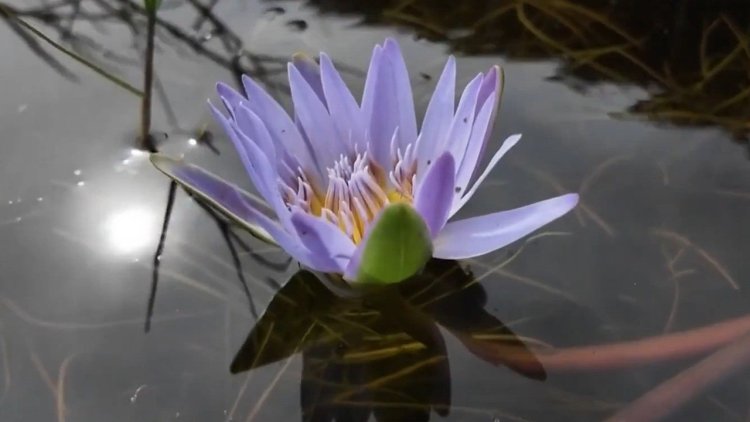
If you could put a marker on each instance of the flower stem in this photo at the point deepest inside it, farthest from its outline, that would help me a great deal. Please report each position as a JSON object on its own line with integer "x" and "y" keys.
{"x": 148, "y": 82}
{"x": 618, "y": 355}
{"x": 673, "y": 393}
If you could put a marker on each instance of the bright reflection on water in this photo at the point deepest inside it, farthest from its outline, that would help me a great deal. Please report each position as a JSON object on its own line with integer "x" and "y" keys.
{"x": 130, "y": 230}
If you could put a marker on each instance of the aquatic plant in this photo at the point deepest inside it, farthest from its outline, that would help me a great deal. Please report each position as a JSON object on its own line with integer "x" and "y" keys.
{"x": 356, "y": 189}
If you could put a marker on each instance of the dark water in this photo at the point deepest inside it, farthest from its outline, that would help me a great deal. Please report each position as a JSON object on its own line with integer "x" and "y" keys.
{"x": 656, "y": 246}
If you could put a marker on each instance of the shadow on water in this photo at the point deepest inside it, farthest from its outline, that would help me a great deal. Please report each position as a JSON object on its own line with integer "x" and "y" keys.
{"x": 380, "y": 353}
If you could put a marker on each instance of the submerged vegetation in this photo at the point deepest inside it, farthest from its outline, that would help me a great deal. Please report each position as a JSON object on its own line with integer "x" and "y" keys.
{"x": 693, "y": 58}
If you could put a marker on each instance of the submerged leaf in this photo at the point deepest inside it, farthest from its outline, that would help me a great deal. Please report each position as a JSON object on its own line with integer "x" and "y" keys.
{"x": 398, "y": 246}
{"x": 224, "y": 196}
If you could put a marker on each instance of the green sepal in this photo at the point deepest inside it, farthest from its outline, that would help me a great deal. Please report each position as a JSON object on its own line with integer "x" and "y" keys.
{"x": 398, "y": 246}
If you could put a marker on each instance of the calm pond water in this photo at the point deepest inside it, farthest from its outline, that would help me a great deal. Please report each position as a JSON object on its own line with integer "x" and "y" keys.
{"x": 651, "y": 134}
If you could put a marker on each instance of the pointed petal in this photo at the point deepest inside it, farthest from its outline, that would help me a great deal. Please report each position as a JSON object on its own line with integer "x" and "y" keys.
{"x": 407, "y": 121}
{"x": 242, "y": 151}
{"x": 396, "y": 247}
{"x": 282, "y": 129}
{"x": 230, "y": 97}
{"x": 380, "y": 110}
{"x": 435, "y": 194}
{"x": 460, "y": 129}
{"x": 507, "y": 145}
{"x": 234, "y": 202}
{"x": 240, "y": 206}
{"x": 252, "y": 127}
{"x": 341, "y": 104}
{"x": 479, "y": 134}
{"x": 479, "y": 235}
{"x": 311, "y": 72}
{"x": 314, "y": 118}
{"x": 490, "y": 92}
{"x": 387, "y": 103}
{"x": 369, "y": 93}
{"x": 437, "y": 118}
{"x": 262, "y": 173}
{"x": 490, "y": 84}
{"x": 329, "y": 242}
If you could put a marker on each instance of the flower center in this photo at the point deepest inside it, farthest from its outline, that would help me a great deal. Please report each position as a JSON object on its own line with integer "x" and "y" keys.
{"x": 358, "y": 188}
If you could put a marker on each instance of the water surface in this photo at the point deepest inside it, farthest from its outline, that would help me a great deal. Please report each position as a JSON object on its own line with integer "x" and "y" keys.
{"x": 656, "y": 246}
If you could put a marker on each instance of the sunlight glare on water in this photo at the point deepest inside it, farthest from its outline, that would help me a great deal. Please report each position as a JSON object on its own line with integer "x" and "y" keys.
{"x": 130, "y": 231}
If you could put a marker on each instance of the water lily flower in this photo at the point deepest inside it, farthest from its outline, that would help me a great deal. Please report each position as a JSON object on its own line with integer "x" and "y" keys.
{"x": 356, "y": 188}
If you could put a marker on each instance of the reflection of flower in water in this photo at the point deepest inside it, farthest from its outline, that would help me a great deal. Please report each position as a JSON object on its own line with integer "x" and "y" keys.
{"x": 129, "y": 231}
{"x": 382, "y": 353}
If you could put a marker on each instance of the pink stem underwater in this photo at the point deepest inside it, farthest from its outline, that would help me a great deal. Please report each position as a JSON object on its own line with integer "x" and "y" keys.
{"x": 673, "y": 393}
{"x": 618, "y": 355}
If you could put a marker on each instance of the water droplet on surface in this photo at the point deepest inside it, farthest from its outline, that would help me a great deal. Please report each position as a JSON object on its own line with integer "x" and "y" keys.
{"x": 77, "y": 172}
{"x": 192, "y": 142}
{"x": 40, "y": 199}
{"x": 80, "y": 183}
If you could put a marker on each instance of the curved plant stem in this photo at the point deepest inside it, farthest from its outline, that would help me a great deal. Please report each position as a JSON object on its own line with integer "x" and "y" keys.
{"x": 618, "y": 355}
{"x": 673, "y": 393}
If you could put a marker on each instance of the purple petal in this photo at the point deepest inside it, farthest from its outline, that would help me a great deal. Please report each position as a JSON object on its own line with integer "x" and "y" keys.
{"x": 437, "y": 118}
{"x": 352, "y": 269}
{"x": 252, "y": 127}
{"x": 407, "y": 122}
{"x": 435, "y": 193}
{"x": 341, "y": 104}
{"x": 380, "y": 110}
{"x": 369, "y": 93}
{"x": 387, "y": 103}
{"x": 490, "y": 83}
{"x": 314, "y": 119}
{"x": 230, "y": 199}
{"x": 282, "y": 129}
{"x": 479, "y": 134}
{"x": 291, "y": 244}
{"x": 479, "y": 235}
{"x": 262, "y": 173}
{"x": 239, "y": 145}
{"x": 229, "y": 96}
{"x": 331, "y": 246}
{"x": 460, "y": 129}
{"x": 507, "y": 145}
{"x": 491, "y": 90}
{"x": 311, "y": 72}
